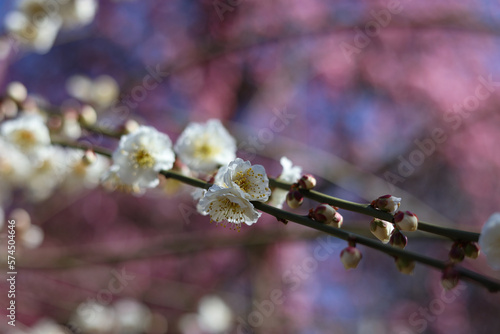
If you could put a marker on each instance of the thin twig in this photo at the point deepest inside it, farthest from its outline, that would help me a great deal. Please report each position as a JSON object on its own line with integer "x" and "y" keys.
{"x": 367, "y": 209}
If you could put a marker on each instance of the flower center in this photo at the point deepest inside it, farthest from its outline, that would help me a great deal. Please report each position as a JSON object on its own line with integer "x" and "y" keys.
{"x": 24, "y": 138}
{"x": 143, "y": 159}
{"x": 242, "y": 181}
{"x": 80, "y": 169}
{"x": 204, "y": 150}
{"x": 226, "y": 211}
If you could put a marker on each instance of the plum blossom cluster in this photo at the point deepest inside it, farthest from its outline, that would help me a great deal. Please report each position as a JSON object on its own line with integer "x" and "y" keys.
{"x": 144, "y": 152}
{"x": 29, "y": 162}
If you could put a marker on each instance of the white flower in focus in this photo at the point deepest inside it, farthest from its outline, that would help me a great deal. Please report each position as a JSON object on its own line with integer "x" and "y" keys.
{"x": 204, "y": 147}
{"x": 27, "y": 132}
{"x": 141, "y": 155}
{"x": 228, "y": 205}
{"x": 290, "y": 174}
{"x": 251, "y": 180}
{"x": 83, "y": 173}
{"x": 198, "y": 193}
{"x": 49, "y": 170}
{"x": 489, "y": 240}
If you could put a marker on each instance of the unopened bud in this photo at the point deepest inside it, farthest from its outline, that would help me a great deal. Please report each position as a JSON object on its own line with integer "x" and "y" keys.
{"x": 8, "y": 109}
{"x": 324, "y": 213}
{"x": 350, "y": 257}
{"x": 130, "y": 126}
{"x": 381, "y": 229}
{"x": 398, "y": 239}
{"x": 71, "y": 128}
{"x": 472, "y": 250}
{"x": 88, "y": 115}
{"x": 307, "y": 181}
{"x": 17, "y": 91}
{"x": 450, "y": 278}
{"x": 387, "y": 203}
{"x": 89, "y": 157}
{"x": 337, "y": 220}
{"x": 406, "y": 221}
{"x": 456, "y": 253}
{"x": 294, "y": 199}
{"x": 405, "y": 266}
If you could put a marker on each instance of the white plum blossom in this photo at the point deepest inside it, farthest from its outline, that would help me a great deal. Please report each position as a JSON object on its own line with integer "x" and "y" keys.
{"x": 27, "y": 132}
{"x": 15, "y": 166}
{"x": 228, "y": 205}
{"x": 204, "y": 147}
{"x": 38, "y": 35}
{"x": 489, "y": 240}
{"x": 141, "y": 155}
{"x": 111, "y": 181}
{"x": 36, "y": 23}
{"x": 251, "y": 180}
{"x": 49, "y": 170}
{"x": 83, "y": 172}
{"x": 290, "y": 174}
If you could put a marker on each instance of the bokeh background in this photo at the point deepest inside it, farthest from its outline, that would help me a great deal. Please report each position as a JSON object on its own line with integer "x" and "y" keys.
{"x": 358, "y": 89}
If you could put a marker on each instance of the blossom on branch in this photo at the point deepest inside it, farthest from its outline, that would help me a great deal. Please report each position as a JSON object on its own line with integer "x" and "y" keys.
{"x": 27, "y": 132}
{"x": 84, "y": 170}
{"x": 290, "y": 174}
{"x": 49, "y": 170}
{"x": 251, "y": 180}
{"x": 204, "y": 147}
{"x": 228, "y": 205}
{"x": 141, "y": 155}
